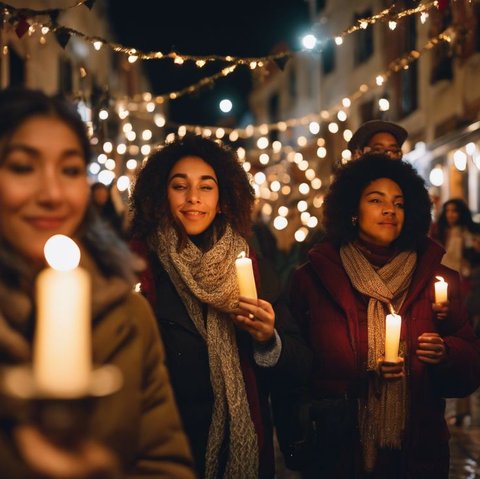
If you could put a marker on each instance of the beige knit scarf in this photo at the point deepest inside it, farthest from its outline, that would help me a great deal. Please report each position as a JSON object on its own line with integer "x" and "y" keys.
{"x": 209, "y": 278}
{"x": 383, "y": 414}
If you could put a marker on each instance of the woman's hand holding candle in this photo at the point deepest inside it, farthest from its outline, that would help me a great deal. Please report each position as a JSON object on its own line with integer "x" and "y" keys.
{"x": 440, "y": 310}
{"x": 87, "y": 459}
{"x": 431, "y": 348}
{"x": 392, "y": 370}
{"x": 256, "y": 317}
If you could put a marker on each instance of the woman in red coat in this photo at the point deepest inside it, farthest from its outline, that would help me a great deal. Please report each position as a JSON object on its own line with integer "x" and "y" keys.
{"x": 377, "y": 259}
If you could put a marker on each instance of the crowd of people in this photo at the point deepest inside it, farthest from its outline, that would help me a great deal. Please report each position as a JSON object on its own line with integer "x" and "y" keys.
{"x": 210, "y": 376}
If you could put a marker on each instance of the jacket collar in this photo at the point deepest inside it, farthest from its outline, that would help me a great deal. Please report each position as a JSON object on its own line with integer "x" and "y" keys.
{"x": 326, "y": 262}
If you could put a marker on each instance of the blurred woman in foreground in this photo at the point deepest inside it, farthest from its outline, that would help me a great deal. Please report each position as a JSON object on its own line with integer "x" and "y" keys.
{"x": 44, "y": 151}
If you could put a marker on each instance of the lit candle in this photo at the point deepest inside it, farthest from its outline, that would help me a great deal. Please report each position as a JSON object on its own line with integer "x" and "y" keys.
{"x": 246, "y": 280}
{"x": 393, "y": 324}
{"x": 441, "y": 287}
{"x": 62, "y": 357}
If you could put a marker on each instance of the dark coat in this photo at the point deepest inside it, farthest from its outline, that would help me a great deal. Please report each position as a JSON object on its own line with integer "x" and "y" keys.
{"x": 332, "y": 316}
{"x": 187, "y": 361}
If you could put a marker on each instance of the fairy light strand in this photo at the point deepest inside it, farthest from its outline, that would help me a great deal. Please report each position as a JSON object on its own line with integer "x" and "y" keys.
{"x": 448, "y": 36}
{"x": 385, "y": 15}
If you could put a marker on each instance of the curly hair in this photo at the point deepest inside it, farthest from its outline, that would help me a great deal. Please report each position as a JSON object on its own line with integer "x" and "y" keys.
{"x": 464, "y": 217}
{"x": 343, "y": 198}
{"x": 149, "y": 201}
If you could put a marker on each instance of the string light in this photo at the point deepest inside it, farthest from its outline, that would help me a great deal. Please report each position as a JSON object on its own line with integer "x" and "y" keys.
{"x": 396, "y": 65}
{"x": 252, "y": 62}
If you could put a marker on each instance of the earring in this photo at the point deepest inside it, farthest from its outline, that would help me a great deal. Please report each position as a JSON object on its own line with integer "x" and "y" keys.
{"x": 354, "y": 220}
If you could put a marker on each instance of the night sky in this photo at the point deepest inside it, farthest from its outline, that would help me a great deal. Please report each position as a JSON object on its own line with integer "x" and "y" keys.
{"x": 245, "y": 28}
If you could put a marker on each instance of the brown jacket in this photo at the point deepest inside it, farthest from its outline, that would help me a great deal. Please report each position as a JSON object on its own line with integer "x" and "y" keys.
{"x": 140, "y": 422}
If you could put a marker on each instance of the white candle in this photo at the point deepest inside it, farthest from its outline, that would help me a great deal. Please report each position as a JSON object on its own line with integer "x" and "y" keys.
{"x": 393, "y": 325}
{"x": 246, "y": 279}
{"x": 441, "y": 287}
{"x": 62, "y": 357}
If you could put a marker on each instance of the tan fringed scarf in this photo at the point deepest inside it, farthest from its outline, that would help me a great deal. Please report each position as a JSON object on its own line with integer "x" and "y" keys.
{"x": 210, "y": 278}
{"x": 383, "y": 414}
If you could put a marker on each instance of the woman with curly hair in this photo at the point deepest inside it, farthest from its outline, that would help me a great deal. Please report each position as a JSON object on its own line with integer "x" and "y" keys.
{"x": 377, "y": 259}
{"x": 191, "y": 206}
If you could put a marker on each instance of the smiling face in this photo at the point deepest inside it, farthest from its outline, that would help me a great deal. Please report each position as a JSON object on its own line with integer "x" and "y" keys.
{"x": 193, "y": 194}
{"x": 43, "y": 185}
{"x": 381, "y": 214}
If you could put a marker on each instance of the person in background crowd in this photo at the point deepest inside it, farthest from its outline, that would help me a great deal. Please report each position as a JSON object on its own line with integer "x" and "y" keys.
{"x": 378, "y": 136}
{"x": 102, "y": 200}
{"x": 453, "y": 231}
{"x": 472, "y": 255}
{"x": 191, "y": 215}
{"x": 376, "y": 259}
{"x": 44, "y": 151}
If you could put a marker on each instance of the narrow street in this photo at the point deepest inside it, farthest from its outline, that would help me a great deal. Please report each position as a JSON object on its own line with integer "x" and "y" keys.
{"x": 465, "y": 452}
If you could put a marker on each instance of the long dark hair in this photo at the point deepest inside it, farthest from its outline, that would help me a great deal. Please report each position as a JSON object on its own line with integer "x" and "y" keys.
{"x": 464, "y": 217}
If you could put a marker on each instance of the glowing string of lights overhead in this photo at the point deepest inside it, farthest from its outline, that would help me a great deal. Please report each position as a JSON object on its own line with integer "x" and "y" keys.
{"x": 134, "y": 54}
{"x": 402, "y": 62}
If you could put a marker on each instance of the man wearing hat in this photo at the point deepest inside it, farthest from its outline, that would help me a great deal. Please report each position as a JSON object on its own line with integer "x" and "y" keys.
{"x": 378, "y": 136}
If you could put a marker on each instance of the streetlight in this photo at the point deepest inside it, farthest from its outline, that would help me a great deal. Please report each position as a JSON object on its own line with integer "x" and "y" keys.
{"x": 225, "y": 105}
{"x": 309, "y": 41}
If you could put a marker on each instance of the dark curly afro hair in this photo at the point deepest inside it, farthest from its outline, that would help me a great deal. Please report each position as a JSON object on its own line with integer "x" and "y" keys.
{"x": 343, "y": 198}
{"x": 149, "y": 201}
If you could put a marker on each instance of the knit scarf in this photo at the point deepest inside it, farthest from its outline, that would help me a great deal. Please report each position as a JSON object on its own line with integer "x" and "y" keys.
{"x": 383, "y": 414}
{"x": 209, "y": 278}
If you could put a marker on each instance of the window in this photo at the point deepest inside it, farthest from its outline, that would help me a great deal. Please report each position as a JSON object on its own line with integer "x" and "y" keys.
{"x": 16, "y": 68}
{"x": 292, "y": 84}
{"x": 363, "y": 39}
{"x": 328, "y": 57}
{"x": 273, "y": 106}
{"x": 65, "y": 72}
{"x": 441, "y": 55}
{"x": 409, "y": 77}
{"x": 367, "y": 110}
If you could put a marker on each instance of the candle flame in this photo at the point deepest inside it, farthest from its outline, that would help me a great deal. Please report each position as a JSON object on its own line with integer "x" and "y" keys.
{"x": 440, "y": 278}
{"x": 62, "y": 253}
{"x": 391, "y": 309}
{"x": 242, "y": 255}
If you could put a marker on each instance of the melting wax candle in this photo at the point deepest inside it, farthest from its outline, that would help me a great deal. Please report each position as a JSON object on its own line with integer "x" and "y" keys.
{"x": 62, "y": 358}
{"x": 393, "y": 325}
{"x": 246, "y": 279}
{"x": 441, "y": 287}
